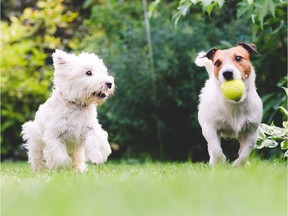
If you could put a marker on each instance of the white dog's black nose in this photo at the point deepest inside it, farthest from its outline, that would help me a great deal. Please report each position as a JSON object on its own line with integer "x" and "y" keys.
{"x": 228, "y": 75}
{"x": 108, "y": 84}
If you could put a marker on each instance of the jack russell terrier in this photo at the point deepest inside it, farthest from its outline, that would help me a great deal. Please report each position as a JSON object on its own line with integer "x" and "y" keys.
{"x": 220, "y": 117}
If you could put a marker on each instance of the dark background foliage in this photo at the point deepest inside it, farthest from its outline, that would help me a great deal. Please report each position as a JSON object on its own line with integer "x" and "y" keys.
{"x": 154, "y": 110}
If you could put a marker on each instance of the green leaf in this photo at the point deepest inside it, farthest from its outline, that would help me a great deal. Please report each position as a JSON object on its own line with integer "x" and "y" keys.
{"x": 259, "y": 144}
{"x": 267, "y": 129}
{"x": 88, "y": 3}
{"x": 271, "y": 6}
{"x": 176, "y": 17}
{"x": 243, "y": 9}
{"x": 210, "y": 8}
{"x": 152, "y": 7}
{"x": 261, "y": 134}
{"x": 270, "y": 143}
{"x": 286, "y": 90}
{"x": 264, "y": 8}
{"x": 283, "y": 110}
{"x": 221, "y": 3}
{"x": 284, "y": 144}
{"x": 285, "y": 125}
{"x": 184, "y": 9}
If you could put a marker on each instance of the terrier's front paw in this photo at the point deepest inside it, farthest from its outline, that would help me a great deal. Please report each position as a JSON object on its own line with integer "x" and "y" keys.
{"x": 217, "y": 159}
{"x": 240, "y": 162}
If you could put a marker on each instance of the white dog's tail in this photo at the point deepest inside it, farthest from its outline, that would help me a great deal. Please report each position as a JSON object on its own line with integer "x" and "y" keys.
{"x": 203, "y": 61}
{"x": 31, "y": 134}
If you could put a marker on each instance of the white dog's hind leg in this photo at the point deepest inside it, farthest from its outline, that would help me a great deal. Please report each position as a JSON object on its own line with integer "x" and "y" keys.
{"x": 35, "y": 155}
{"x": 79, "y": 159}
{"x": 56, "y": 155}
{"x": 97, "y": 148}
{"x": 247, "y": 143}
{"x": 214, "y": 145}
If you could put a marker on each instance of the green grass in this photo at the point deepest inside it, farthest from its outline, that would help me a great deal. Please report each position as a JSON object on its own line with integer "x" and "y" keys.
{"x": 170, "y": 189}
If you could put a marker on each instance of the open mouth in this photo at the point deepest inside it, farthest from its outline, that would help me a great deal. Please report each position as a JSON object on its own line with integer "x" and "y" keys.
{"x": 99, "y": 95}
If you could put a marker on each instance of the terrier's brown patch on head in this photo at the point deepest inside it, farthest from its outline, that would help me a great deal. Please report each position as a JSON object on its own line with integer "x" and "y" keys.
{"x": 237, "y": 56}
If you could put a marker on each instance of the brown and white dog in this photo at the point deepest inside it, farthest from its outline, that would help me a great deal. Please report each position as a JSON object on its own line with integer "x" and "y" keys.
{"x": 220, "y": 117}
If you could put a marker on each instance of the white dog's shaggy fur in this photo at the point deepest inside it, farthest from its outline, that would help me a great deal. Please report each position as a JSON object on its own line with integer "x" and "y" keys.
{"x": 66, "y": 132}
{"x": 221, "y": 117}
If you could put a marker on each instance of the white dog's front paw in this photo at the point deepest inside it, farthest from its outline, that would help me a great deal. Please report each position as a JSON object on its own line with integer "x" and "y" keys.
{"x": 57, "y": 158}
{"x": 98, "y": 156}
{"x": 81, "y": 167}
{"x": 97, "y": 148}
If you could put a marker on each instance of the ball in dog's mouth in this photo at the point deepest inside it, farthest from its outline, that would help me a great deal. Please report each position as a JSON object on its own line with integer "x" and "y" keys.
{"x": 99, "y": 94}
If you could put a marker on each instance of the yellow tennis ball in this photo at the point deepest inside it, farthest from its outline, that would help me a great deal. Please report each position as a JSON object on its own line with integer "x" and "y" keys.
{"x": 233, "y": 89}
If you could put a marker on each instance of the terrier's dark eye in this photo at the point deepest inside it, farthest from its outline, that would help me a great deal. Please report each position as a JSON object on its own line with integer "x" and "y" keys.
{"x": 89, "y": 73}
{"x": 238, "y": 58}
{"x": 218, "y": 63}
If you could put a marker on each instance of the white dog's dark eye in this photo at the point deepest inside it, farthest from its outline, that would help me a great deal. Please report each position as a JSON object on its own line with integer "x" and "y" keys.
{"x": 218, "y": 63}
{"x": 89, "y": 73}
{"x": 238, "y": 58}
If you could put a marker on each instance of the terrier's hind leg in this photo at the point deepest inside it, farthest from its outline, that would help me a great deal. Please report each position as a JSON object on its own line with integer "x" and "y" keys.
{"x": 214, "y": 145}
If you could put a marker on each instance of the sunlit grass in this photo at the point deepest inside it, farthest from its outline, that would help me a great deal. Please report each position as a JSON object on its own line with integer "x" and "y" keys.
{"x": 175, "y": 189}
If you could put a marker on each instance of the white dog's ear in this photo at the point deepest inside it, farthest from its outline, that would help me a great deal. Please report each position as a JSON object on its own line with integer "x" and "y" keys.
{"x": 61, "y": 58}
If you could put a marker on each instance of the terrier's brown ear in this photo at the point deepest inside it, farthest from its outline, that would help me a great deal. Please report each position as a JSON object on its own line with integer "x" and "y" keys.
{"x": 249, "y": 47}
{"x": 210, "y": 54}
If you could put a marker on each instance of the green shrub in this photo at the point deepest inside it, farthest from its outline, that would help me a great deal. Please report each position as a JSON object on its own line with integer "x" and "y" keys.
{"x": 270, "y": 135}
{"x": 27, "y": 43}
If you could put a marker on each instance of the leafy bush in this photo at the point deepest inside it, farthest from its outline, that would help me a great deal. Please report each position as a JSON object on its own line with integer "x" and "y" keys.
{"x": 270, "y": 135}
{"x": 27, "y": 42}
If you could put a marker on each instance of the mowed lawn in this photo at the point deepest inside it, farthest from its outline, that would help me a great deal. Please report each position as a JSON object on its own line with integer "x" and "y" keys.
{"x": 168, "y": 189}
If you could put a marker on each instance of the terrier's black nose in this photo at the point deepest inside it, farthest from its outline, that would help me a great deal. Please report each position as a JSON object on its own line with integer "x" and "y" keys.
{"x": 108, "y": 84}
{"x": 228, "y": 75}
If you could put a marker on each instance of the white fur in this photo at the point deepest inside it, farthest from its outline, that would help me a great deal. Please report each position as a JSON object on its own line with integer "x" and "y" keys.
{"x": 66, "y": 132}
{"x": 229, "y": 119}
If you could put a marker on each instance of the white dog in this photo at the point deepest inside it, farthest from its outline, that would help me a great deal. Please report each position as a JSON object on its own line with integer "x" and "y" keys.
{"x": 66, "y": 132}
{"x": 222, "y": 117}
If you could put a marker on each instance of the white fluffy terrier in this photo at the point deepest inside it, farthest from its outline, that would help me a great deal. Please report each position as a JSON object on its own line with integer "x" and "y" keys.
{"x": 219, "y": 116}
{"x": 66, "y": 132}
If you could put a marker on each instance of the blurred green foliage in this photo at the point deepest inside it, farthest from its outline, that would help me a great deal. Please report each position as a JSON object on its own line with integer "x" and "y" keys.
{"x": 115, "y": 30}
{"x": 26, "y": 78}
{"x": 270, "y": 135}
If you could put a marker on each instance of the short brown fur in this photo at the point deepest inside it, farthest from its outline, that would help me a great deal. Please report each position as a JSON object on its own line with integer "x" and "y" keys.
{"x": 228, "y": 56}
